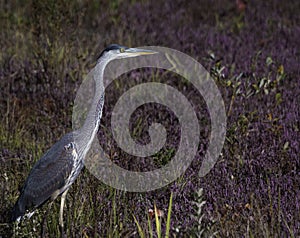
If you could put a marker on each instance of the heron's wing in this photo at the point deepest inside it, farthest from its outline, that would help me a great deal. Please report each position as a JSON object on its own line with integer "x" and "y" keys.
{"x": 49, "y": 174}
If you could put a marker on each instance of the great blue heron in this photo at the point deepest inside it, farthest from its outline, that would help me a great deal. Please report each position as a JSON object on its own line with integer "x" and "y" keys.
{"x": 54, "y": 173}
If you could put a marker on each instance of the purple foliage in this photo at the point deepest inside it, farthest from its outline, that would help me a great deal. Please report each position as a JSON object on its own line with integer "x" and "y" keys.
{"x": 257, "y": 175}
{"x": 260, "y": 171}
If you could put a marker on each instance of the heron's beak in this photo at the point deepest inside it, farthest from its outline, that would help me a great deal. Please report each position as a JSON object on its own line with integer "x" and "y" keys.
{"x": 131, "y": 52}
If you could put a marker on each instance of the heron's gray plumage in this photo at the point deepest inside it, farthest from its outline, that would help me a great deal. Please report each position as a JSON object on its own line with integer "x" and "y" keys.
{"x": 47, "y": 176}
{"x": 54, "y": 173}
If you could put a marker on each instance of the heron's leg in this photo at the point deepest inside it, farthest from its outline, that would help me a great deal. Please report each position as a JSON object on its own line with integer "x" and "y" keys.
{"x": 61, "y": 211}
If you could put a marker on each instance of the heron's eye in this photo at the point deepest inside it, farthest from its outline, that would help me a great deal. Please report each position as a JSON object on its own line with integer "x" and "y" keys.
{"x": 122, "y": 50}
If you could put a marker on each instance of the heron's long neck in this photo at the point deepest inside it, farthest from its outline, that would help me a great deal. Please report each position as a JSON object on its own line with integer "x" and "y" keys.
{"x": 91, "y": 125}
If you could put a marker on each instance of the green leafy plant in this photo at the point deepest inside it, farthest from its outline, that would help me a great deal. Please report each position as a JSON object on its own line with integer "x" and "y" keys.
{"x": 158, "y": 222}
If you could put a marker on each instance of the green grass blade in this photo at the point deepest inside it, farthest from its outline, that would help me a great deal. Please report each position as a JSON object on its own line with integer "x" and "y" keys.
{"x": 140, "y": 230}
{"x": 150, "y": 227}
{"x": 169, "y": 217}
{"x": 157, "y": 222}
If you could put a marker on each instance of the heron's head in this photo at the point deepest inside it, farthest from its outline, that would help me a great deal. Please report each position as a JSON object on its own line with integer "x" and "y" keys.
{"x": 115, "y": 51}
